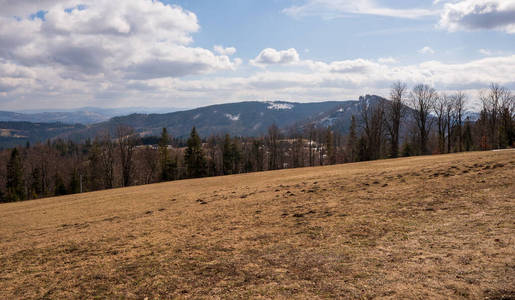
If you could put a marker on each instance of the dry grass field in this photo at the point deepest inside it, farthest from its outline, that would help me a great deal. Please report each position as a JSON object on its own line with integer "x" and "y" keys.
{"x": 415, "y": 228}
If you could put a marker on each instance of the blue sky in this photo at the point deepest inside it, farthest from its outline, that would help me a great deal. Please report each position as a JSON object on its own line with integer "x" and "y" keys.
{"x": 186, "y": 53}
{"x": 252, "y": 24}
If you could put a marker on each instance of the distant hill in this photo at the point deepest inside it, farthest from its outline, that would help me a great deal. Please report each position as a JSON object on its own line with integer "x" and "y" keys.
{"x": 237, "y": 119}
{"x": 240, "y": 119}
{"x": 86, "y": 115}
{"x": 19, "y": 133}
{"x": 83, "y": 117}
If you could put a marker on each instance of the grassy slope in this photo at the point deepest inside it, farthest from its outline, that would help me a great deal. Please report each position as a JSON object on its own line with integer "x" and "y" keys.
{"x": 438, "y": 226}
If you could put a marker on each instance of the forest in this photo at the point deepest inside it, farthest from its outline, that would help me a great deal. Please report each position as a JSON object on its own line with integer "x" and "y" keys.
{"x": 419, "y": 121}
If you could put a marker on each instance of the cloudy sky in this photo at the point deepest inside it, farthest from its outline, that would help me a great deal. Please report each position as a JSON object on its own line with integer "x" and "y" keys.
{"x": 57, "y": 54}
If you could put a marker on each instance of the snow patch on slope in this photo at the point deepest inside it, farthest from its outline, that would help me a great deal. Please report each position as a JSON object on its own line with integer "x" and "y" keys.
{"x": 233, "y": 117}
{"x": 279, "y": 106}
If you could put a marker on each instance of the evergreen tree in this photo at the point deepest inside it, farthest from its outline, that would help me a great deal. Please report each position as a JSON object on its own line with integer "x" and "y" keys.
{"x": 329, "y": 140}
{"x": 95, "y": 174}
{"x": 227, "y": 155}
{"x": 167, "y": 166}
{"x": 352, "y": 141}
{"x": 60, "y": 187}
{"x": 258, "y": 156}
{"x": 362, "y": 149}
{"x": 74, "y": 182}
{"x": 169, "y": 169}
{"x": 236, "y": 156}
{"x": 36, "y": 186}
{"x": 407, "y": 149}
{"x": 15, "y": 185}
{"x": 467, "y": 136}
{"x": 194, "y": 158}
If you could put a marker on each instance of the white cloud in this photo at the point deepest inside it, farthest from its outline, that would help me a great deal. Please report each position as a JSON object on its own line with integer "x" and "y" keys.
{"x": 116, "y": 54}
{"x": 270, "y": 56}
{"x": 387, "y": 60}
{"x": 224, "y": 51}
{"x": 426, "y": 50}
{"x": 488, "y": 52}
{"x": 99, "y": 44}
{"x": 485, "y": 52}
{"x": 479, "y": 14}
{"x": 339, "y": 8}
{"x": 340, "y": 80}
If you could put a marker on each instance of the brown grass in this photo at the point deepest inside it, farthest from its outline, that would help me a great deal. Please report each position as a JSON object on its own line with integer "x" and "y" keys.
{"x": 423, "y": 227}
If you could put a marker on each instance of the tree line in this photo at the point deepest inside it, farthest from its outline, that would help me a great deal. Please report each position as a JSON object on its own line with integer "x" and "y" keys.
{"x": 419, "y": 121}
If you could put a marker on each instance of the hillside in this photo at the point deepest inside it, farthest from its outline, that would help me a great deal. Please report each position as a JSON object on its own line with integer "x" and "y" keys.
{"x": 239, "y": 119}
{"x": 421, "y": 227}
{"x": 249, "y": 119}
{"x": 82, "y": 117}
{"x": 85, "y": 115}
{"x": 19, "y": 133}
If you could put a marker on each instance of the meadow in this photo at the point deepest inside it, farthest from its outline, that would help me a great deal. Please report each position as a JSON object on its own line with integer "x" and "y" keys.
{"x": 440, "y": 226}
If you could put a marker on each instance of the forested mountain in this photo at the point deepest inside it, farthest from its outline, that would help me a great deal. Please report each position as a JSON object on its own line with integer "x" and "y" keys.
{"x": 85, "y": 115}
{"x": 82, "y": 117}
{"x": 19, "y": 133}
{"x": 246, "y": 119}
{"x": 238, "y": 119}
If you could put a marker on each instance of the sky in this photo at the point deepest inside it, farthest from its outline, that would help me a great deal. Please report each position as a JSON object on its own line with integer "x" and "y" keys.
{"x": 64, "y": 54}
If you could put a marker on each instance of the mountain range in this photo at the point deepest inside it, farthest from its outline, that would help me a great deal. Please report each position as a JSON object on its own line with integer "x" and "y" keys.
{"x": 85, "y": 115}
{"x": 251, "y": 118}
{"x": 239, "y": 119}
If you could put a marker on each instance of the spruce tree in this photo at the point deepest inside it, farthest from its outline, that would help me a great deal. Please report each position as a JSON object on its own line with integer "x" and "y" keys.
{"x": 329, "y": 140}
{"x": 352, "y": 141}
{"x": 15, "y": 185}
{"x": 59, "y": 186}
{"x": 194, "y": 158}
{"x": 467, "y": 137}
{"x": 36, "y": 184}
{"x": 167, "y": 166}
{"x": 75, "y": 182}
{"x": 236, "y": 156}
{"x": 227, "y": 156}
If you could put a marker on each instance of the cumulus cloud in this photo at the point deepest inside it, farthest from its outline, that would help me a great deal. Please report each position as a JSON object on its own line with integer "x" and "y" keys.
{"x": 270, "y": 56}
{"x": 224, "y": 51}
{"x": 479, "y": 14}
{"x": 387, "y": 60}
{"x": 340, "y": 80}
{"x": 426, "y": 50}
{"x": 339, "y": 8}
{"x": 94, "y": 45}
{"x": 116, "y": 54}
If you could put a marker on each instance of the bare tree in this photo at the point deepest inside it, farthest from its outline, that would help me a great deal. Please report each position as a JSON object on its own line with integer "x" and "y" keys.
{"x": 507, "y": 116}
{"x": 449, "y": 119}
{"x": 372, "y": 120}
{"x": 493, "y": 102}
{"x": 394, "y": 114}
{"x": 297, "y": 150}
{"x": 459, "y": 100}
{"x": 273, "y": 147}
{"x": 311, "y": 129}
{"x": 150, "y": 158}
{"x": 126, "y": 144}
{"x": 107, "y": 160}
{"x": 422, "y": 98}
{"x": 352, "y": 141}
{"x": 440, "y": 109}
